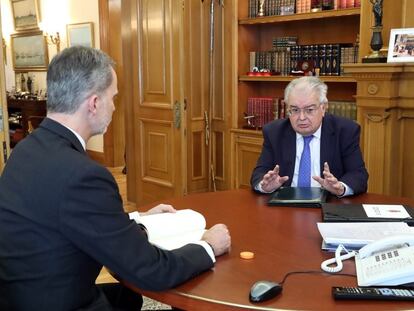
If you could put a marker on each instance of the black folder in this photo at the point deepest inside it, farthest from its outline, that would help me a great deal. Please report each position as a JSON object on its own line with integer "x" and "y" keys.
{"x": 299, "y": 196}
{"x": 356, "y": 213}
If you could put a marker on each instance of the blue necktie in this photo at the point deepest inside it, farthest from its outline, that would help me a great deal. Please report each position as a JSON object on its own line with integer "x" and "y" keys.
{"x": 304, "y": 178}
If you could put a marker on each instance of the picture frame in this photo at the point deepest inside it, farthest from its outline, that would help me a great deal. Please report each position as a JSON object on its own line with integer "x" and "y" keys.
{"x": 25, "y": 14}
{"x": 80, "y": 34}
{"x": 401, "y": 45}
{"x": 29, "y": 51}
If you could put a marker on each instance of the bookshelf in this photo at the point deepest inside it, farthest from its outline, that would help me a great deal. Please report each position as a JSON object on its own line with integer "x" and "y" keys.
{"x": 256, "y": 34}
{"x": 383, "y": 92}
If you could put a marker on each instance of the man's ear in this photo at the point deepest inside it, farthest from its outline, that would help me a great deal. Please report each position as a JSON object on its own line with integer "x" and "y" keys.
{"x": 324, "y": 108}
{"x": 92, "y": 103}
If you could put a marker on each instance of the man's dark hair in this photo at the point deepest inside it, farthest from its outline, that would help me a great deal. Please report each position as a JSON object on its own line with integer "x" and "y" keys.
{"x": 75, "y": 74}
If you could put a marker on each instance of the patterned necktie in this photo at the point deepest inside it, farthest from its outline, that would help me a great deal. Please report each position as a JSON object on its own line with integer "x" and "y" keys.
{"x": 304, "y": 179}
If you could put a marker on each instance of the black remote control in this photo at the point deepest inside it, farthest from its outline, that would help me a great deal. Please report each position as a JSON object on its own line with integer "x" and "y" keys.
{"x": 374, "y": 293}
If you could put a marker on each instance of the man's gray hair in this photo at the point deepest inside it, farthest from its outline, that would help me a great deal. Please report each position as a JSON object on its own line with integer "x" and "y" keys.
{"x": 75, "y": 74}
{"x": 313, "y": 84}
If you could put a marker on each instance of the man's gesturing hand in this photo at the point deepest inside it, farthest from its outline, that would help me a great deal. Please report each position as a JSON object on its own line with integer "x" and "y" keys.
{"x": 330, "y": 182}
{"x": 272, "y": 181}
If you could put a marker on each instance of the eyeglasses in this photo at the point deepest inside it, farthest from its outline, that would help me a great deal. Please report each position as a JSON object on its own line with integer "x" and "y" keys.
{"x": 309, "y": 111}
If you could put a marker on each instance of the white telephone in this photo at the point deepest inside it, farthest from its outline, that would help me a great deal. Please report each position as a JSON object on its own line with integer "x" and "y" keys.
{"x": 389, "y": 261}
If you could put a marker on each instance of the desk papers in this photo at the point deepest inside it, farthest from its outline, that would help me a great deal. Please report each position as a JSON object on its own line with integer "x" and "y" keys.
{"x": 173, "y": 230}
{"x": 385, "y": 211}
{"x": 358, "y": 234}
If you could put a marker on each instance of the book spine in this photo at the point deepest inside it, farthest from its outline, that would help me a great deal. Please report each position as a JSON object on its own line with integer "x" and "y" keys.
{"x": 336, "y": 60}
{"x": 328, "y": 60}
{"x": 322, "y": 60}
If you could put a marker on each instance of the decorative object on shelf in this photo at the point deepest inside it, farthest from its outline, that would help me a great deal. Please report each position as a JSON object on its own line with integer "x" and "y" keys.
{"x": 401, "y": 46}
{"x": 29, "y": 51}
{"x": 54, "y": 39}
{"x": 287, "y": 9}
{"x": 376, "y": 40}
{"x": 25, "y": 14}
{"x": 261, "y": 8}
{"x": 304, "y": 68}
{"x": 80, "y": 34}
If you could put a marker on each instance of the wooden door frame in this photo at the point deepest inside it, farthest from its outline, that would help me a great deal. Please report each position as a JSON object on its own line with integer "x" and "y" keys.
{"x": 113, "y": 153}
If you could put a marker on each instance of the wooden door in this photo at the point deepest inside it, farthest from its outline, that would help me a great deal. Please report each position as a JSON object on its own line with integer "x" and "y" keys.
{"x": 152, "y": 47}
{"x": 168, "y": 100}
{"x": 4, "y": 126}
{"x": 207, "y": 115}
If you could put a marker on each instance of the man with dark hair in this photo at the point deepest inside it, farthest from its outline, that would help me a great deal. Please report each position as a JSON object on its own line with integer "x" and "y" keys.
{"x": 61, "y": 215}
{"x": 310, "y": 148}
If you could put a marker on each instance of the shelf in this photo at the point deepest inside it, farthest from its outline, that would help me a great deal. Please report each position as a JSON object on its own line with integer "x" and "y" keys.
{"x": 336, "y": 79}
{"x": 300, "y": 17}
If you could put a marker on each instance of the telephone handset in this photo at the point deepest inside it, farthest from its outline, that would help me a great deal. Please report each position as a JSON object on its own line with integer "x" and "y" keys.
{"x": 389, "y": 261}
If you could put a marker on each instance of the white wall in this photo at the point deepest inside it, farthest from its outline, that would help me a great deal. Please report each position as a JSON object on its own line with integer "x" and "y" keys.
{"x": 54, "y": 16}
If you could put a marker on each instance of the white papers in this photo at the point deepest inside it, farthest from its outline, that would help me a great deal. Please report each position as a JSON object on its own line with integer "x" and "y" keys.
{"x": 385, "y": 211}
{"x": 173, "y": 230}
{"x": 358, "y": 234}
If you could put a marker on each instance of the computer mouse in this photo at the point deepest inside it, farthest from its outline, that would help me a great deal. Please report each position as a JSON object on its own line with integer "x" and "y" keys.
{"x": 264, "y": 290}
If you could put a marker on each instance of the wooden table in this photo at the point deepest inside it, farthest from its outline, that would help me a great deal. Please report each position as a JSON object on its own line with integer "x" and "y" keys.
{"x": 284, "y": 239}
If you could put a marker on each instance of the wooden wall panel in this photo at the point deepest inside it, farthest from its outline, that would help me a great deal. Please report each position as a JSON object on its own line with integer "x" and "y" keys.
{"x": 155, "y": 152}
{"x": 406, "y": 118}
{"x": 385, "y": 103}
{"x": 156, "y": 48}
{"x": 247, "y": 148}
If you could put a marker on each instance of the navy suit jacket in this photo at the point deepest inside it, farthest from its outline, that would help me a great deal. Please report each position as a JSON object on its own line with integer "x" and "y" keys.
{"x": 61, "y": 219}
{"x": 339, "y": 147}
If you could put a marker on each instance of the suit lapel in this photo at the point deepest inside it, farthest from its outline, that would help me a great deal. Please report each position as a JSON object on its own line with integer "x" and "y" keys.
{"x": 289, "y": 152}
{"x": 62, "y": 131}
{"x": 327, "y": 142}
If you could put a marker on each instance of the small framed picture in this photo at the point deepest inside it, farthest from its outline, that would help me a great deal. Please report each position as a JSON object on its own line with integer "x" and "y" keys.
{"x": 80, "y": 34}
{"x": 25, "y": 14}
{"x": 29, "y": 51}
{"x": 401, "y": 46}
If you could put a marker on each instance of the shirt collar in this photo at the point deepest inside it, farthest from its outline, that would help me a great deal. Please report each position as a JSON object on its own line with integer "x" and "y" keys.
{"x": 78, "y": 136}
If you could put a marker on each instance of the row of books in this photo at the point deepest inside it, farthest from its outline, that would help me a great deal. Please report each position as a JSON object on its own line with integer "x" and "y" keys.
{"x": 286, "y": 7}
{"x": 305, "y": 6}
{"x": 346, "y": 109}
{"x": 280, "y": 42}
{"x": 262, "y": 110}
{"x": 326, "y": 58}
{"x": 277, "y": 61}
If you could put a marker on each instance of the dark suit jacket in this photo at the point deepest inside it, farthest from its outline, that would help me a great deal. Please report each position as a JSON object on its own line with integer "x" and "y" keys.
{"x": 61, "y": 219}
{"x": 339, "y": 147}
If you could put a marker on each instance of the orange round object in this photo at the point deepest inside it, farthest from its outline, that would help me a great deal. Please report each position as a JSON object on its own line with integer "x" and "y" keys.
{"x": 246, "y": 255}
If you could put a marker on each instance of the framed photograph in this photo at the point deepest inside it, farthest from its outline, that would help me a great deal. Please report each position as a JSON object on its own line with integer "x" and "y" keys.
{"x": 29, "y": 51}
{"x": 401, "y": 46}
{"x": 25, "y": 14}
{"x": 80, "y": 34}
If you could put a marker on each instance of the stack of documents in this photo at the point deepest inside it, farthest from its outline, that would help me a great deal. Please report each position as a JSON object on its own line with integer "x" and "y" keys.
{"x": 367, "y": 213}
{"x": 355, "y": 235}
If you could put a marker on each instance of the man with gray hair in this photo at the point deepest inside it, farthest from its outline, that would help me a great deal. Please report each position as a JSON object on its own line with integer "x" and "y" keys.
{"x": 61, "y": 215}
{"x": 311, "y": 148}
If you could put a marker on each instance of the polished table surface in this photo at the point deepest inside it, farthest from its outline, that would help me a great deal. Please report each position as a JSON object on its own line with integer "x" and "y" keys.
{"x": 284, "y": 239}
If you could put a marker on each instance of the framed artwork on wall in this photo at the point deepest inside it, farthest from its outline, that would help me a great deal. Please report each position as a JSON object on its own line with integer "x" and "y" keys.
{"x": 29, "y": 51}
{"x": 25, "y": 14}
{"x": 80, "y": 34}
{"x": 401, "y": 46}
